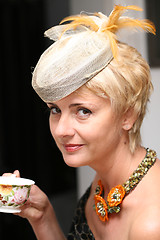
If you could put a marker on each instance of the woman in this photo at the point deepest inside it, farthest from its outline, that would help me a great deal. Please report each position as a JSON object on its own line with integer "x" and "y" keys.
{"x": 97, "y": 90}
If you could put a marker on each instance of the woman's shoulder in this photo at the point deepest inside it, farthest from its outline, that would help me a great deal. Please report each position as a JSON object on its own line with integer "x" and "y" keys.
{"x": 145, "y": 223}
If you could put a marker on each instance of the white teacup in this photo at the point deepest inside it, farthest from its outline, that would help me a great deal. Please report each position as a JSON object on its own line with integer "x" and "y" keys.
{"x": 14, "y": 192}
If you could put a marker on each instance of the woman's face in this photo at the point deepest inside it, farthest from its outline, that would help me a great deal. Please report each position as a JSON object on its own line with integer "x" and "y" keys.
{"x": 84, "y": 128}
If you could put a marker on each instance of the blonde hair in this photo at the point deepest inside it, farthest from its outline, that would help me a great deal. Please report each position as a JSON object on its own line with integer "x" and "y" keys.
{"x": 126, "y": 81}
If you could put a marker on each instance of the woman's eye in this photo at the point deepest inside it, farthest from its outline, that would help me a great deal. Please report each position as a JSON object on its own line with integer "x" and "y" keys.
{"x": 84, "y": 113}
{"x": 55, "y": 110}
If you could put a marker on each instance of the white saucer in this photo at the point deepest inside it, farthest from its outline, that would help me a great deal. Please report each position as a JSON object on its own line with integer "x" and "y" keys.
{"x": 10, "y": 210}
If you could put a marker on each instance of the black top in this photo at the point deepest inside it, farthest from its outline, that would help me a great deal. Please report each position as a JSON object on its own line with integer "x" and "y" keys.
{"x": 79, "y": 228}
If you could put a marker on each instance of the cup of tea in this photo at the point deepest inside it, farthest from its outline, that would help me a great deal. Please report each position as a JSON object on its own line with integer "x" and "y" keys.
{"x": 14, "y": 192}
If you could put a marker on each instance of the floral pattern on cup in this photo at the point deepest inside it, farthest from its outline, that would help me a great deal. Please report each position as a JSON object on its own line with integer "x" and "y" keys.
{"x": 5, "y": 189}
{"x": 20, "y": 196}
{"x": 13, "y": 196}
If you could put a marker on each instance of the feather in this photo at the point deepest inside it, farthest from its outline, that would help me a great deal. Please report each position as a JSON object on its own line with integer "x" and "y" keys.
{"x": 113, "y": 43}
{"x": 145, "y": 24}
{"x": 108, "y": 26}
{"x": 80, "y": 20}
{"x": 133, "y": 7}
{"x": 116, "y": 22}
{"x": 118, "y": 11}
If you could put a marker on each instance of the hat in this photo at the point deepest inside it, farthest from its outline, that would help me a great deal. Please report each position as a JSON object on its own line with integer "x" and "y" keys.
{"x": 82, "y": 48}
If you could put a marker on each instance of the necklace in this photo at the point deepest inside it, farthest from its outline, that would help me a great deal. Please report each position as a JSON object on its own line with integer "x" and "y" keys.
{"x": 116, "y": 195}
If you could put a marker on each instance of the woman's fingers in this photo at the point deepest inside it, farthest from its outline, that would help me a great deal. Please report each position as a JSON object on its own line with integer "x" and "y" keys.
{"x": 7, "y": 174}
{"x": 16, "y": 173}
{"x": 35, "y": 206}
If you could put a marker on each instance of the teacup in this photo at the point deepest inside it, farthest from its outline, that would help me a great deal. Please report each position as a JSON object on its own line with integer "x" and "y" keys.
{"x": 14, "y": 192}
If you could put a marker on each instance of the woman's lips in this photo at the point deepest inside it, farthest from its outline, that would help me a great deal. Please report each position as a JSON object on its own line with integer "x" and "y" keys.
{"x": 72, "y": 147}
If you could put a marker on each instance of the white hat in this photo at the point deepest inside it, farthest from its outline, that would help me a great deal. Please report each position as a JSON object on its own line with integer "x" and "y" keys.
{"x": 81, "y": 49}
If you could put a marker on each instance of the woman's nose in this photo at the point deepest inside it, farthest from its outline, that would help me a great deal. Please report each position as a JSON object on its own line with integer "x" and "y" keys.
{"x": 64, "y": 127}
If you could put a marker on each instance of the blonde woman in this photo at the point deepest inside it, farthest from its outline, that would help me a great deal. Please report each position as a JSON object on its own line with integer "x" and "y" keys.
{"x": 97, "y": 90}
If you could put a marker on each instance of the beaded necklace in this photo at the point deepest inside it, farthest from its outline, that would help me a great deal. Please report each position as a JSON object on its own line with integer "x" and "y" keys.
{"x": 117, "y": 194}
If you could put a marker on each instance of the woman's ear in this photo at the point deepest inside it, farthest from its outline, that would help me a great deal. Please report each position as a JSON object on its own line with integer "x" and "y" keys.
{"x": 129, "y": 119}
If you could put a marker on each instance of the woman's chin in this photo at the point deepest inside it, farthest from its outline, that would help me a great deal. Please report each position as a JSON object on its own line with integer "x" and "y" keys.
{"x": 75, "y": 161}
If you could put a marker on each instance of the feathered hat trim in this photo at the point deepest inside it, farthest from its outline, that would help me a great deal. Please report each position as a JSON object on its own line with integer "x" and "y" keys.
{"x": 84, "y": 45}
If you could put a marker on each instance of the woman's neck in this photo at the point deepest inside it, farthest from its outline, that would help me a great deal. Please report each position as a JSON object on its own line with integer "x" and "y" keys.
{"x": 117, "y": 167}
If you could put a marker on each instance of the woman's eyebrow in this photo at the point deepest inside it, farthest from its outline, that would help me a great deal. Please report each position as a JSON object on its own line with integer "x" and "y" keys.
{"x": 70, "y": 106}
{"x": 82, "y": 104}
{"x": 75, "y": 105}
{"x": 52, "y": 104}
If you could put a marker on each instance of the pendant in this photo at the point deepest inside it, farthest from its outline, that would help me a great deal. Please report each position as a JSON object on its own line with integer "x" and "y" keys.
{"x": 114, "y": 198}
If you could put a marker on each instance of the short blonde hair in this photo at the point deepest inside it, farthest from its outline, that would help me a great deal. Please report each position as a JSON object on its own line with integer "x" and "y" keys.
{"x": 126, "y": 81}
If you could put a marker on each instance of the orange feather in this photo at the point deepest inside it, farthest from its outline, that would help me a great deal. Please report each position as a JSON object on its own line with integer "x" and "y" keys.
{"x": 118, "y": 11}
{"x": 81, "y": 20}
{"x": 135, "y": 23}
{"x": 113, "y": 43}
{"x": 113, "y": 24}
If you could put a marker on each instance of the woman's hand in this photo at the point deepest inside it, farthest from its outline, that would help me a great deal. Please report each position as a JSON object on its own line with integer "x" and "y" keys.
{"x": 36, "y": 205}
{"x": 40, "y": 214}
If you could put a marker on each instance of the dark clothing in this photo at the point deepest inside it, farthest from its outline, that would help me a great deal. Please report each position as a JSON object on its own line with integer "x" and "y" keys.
{"x": 80, "y": 229}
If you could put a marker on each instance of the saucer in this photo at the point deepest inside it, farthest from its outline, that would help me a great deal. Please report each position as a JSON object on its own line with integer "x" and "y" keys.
{"x": 10, "y": 210}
